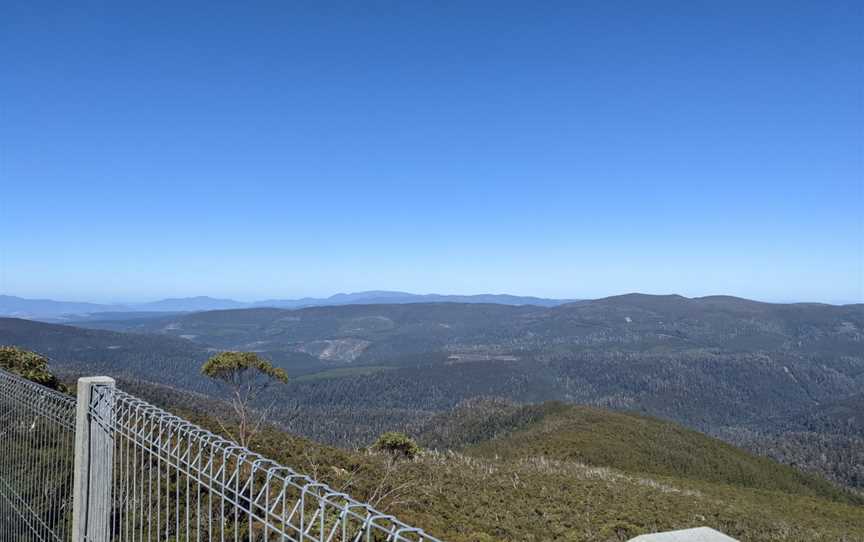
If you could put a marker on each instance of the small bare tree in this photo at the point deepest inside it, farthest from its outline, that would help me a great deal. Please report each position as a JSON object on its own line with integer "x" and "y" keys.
{"x": 247, "y": 375}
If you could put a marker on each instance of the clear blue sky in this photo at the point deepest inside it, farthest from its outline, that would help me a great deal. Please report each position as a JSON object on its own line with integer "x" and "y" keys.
{"x": 579, "y": 149}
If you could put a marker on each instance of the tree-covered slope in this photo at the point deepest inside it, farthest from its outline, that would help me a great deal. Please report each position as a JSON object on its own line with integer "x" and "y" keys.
{"x": 96, "y": 351}
{"x": 624, "y": 441}
{"x": 632, "y": 322}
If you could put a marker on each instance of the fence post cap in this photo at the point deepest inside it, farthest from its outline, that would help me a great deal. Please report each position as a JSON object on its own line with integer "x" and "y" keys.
{"x": 105, "y": 380}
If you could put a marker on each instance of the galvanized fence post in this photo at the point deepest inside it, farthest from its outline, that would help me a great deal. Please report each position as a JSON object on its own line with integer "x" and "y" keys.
{"x": 94, "y": 448}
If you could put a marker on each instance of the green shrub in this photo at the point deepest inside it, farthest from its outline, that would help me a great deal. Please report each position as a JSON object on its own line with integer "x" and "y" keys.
{"x": 28, "y": 364}
{"x": 398, "y": 444}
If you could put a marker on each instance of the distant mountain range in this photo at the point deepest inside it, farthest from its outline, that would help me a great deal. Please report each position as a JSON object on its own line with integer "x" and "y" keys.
{"x": 60, "y": 311}
{"x": 784, "y": 380}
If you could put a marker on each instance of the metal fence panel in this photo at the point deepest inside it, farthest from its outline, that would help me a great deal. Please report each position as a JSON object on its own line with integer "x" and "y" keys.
{"x": 37, "y": 431}
{"x": 142, "y": 474}
{"x": 173, "y": 480}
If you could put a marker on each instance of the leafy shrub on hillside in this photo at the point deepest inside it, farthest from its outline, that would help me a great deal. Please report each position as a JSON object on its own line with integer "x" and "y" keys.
{"x": 398, "y": 444}
{"x": 28, "y": 364}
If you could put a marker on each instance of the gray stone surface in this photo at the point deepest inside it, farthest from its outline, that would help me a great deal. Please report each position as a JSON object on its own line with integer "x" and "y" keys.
{"x": 699, "y": 534}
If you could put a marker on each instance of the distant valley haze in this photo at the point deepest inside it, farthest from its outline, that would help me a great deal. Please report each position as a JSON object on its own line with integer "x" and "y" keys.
{"x": 61, "y": 311}
{"x": 58, "y": 310}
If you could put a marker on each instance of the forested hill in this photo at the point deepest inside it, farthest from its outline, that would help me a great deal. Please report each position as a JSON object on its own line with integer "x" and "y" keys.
{"x": 740, "y": 369}
{"x": 629, "y": 442}
{"x": 91, "y": 351}
{"x": 634, "y": 321}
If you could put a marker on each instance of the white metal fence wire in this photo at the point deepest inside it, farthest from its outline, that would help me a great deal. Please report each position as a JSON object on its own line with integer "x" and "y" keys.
{"x": 142, "y": 474}
{"x": 173, "y": 481}
{"x": 146, "y": 475}
{"x": 37, "y": 439}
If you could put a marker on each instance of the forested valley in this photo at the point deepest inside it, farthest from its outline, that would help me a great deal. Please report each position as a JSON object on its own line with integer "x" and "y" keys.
{"x": 782, "y": 380}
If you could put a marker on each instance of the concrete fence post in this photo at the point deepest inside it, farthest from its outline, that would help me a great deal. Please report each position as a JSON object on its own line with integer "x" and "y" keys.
{"x": 94, "y": 460}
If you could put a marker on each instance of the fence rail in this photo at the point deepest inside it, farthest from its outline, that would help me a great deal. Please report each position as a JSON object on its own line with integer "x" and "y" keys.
{"x": 141, "y": 473}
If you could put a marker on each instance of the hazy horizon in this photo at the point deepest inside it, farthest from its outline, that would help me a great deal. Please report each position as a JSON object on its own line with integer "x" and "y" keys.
{"x": 138, "y": 301}
{"x": 555, "y": 150}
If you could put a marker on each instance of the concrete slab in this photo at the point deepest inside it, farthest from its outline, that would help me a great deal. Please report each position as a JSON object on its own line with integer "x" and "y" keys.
{"x": 699, "y": 534}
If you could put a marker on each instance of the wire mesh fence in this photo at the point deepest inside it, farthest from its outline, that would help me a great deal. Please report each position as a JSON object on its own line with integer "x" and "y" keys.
{"x": 37, "y": 439}
{"x": 111, "y": 467}
{"x": 175, "y": 481}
